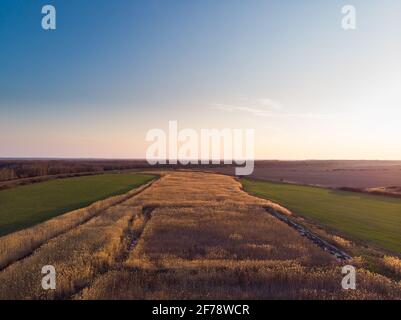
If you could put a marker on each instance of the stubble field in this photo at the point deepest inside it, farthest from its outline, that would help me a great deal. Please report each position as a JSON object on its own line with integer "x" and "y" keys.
{"x": 186, "y": 236}
{"x": 24, "y": 206}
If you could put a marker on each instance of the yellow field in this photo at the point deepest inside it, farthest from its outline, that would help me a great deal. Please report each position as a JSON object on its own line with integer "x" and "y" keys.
{"x": 187, "y": 236}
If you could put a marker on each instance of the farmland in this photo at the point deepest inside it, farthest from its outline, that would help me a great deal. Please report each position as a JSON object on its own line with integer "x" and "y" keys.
{"x": 373, "y": 219}
{"x": 24, "y": 206}
{"x": 186, "y": 236}
{"x": 328, "y": 173}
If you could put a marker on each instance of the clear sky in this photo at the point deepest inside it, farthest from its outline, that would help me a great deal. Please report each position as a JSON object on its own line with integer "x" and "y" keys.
{"x": 112, "y": 70}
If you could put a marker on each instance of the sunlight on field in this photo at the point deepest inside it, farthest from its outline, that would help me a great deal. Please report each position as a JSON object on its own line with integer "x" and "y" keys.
{"x": 24, "y": 206}
{"x": 374, "y": 219}
{"x": 186, "y": 236}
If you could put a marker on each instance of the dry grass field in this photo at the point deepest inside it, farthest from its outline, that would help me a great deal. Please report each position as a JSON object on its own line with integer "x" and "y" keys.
{"x": 327, "y": 173}
{"x": 187, "y": 236}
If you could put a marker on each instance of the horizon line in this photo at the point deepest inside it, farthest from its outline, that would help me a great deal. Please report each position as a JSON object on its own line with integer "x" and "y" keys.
{"x": 222, "y": 160}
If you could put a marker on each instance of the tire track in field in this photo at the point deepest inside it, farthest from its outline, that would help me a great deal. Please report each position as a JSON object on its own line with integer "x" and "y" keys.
{"x": 129, "y": 239}
{"x": 132, "y": 237}
{"x": 340, "y": 255}
{"x": 139, "y": 190}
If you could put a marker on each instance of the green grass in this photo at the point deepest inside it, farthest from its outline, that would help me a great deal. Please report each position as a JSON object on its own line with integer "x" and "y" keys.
{"x": 24, "y": 206}
{"x": 374, "y": 219}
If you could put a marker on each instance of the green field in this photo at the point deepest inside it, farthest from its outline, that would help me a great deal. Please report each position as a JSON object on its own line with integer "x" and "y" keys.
{"x": 25, "y": 206}
{"x": 374, "y": 219}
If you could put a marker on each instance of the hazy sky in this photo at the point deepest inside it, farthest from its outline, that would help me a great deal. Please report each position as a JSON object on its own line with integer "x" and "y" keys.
{"x": 112, "y": 70}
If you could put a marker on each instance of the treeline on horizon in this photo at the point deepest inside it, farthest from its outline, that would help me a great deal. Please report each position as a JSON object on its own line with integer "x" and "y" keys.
{"x": 14, "y": 169}
{"x": 21, "y": 169}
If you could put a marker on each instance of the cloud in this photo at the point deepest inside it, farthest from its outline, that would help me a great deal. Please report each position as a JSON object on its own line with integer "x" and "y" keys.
{"x": 256, "y": 107}
{"x": 234, "y": 108}
{"x": 269, "y": 103}
{"x": 265, "y": 108}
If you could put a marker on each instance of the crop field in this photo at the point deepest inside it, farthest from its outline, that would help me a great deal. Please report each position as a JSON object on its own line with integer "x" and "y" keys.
{"x": 185, "y": 236}
{"x": 328, "y": 173}
{"x": 373, "y": 219}
{"x": 24, "y": 206}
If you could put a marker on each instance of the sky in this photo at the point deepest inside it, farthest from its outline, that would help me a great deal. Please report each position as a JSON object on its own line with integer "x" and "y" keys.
{"x": 113, "y": 70}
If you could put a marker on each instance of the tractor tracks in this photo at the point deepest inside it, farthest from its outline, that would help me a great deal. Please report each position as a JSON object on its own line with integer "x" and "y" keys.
{"x": 129, "y": 240}
{"x": 336, "y": 252}
{"x": 102, "y": 209}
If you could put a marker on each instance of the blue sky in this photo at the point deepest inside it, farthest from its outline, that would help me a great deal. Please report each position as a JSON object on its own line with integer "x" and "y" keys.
{"x": 114, "y": 69}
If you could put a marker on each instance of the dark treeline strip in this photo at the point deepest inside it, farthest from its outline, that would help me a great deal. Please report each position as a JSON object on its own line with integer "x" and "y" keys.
{"x": 20, "y": 169}
{"x": 11, "y": 170}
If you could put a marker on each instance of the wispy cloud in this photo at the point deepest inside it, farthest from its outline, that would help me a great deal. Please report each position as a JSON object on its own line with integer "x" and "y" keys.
{"x": 269, "y": 103}
{"x": 256, "y": 107}
{"x": 265, "y": 108}
{"x": 235, "y": 108}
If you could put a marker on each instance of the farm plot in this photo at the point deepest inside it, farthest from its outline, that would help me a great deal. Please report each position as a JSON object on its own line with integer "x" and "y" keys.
{"x": 24, "y": 206}
{"x": 188, "y": 236}
{"x": 373, "y": 219}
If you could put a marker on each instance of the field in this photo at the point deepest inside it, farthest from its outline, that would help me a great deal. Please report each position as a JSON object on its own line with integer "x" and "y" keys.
{"x": 327, "y": 173}
{"x": 373, "y": 219}
{"x": 332, "y": 174}
{"x": 24, "y": 206}
{"x": 186, "y": 236}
